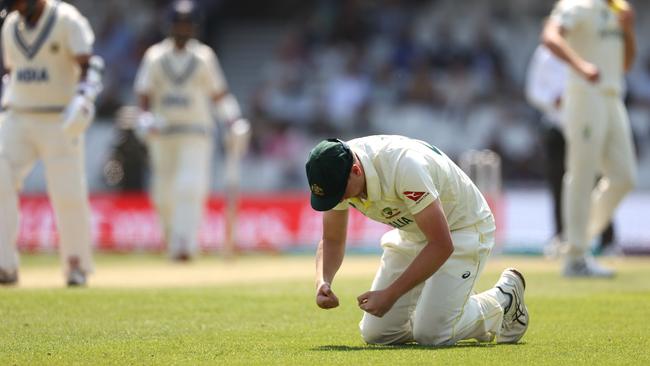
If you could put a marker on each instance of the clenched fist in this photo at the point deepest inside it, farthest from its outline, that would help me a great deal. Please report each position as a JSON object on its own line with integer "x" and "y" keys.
{"x": 325, "y": 298}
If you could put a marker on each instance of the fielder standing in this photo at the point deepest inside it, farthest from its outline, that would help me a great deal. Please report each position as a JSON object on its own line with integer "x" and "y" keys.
{"x": 178, "y": 85}
{"x": 596, "y": 39}
{"x": 51, "y": 84}
{"x": 444, "y": 232}
{"x": 545, "y": 83}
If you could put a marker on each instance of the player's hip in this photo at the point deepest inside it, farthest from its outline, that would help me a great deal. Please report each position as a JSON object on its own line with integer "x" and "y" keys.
{"x": 467, "y": 240}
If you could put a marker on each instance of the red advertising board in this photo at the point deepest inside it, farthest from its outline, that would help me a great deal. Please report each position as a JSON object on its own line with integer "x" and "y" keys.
{"x": 125, "y": 222}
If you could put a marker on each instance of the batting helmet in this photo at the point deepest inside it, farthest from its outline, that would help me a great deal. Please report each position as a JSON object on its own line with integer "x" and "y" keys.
{"x": 184, "y": 11}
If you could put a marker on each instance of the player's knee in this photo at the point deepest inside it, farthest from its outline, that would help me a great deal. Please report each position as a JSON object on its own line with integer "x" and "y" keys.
{"x": 373, "y": 333}
{"x": 432, "y": 336}
{"x": 189, "y": 194}
{"x": 69, "y": 200}
{"x": 376, "y": 337}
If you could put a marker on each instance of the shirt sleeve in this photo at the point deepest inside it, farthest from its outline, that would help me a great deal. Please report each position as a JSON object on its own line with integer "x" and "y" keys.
{"x": 414, "y": 183}
{"x": 216, "y": 82}
{"x": 568, "y": 14}
{"x": 80, "y": 34}
{"x": 144, "y": 77}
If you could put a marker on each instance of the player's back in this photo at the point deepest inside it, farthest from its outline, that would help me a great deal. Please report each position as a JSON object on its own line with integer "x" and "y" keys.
{"x": 398, "y": 158}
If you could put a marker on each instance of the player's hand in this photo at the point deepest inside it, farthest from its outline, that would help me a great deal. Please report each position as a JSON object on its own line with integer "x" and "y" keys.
{"x": 590, "y": 72}
{"x": 376, "y": 303}
{"x": 77, "y": 116}
{"x": 238, "y": 137}
{"x": 325, "y": 298}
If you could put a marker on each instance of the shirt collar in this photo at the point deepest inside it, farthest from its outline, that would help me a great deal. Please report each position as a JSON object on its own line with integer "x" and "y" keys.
{"x": 171, "y": 45}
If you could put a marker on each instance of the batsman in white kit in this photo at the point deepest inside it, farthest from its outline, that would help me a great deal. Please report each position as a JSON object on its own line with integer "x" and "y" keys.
{"x": 596, "y": 39}
{"x": 48, "y": 97}
{"x": 179, "y": 85}
{"x": 442, "y": 237}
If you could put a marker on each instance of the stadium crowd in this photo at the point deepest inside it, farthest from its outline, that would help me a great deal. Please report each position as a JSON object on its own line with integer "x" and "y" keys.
{"x": 448, "y": 72}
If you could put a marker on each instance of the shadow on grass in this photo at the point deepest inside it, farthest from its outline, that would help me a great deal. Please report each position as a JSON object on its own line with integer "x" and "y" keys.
{"x": 371, "y": 347}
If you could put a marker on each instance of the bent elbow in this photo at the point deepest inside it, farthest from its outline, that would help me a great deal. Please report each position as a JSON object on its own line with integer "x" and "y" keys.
{"x": 547, "y": 40}
{"x": 450, "y": 249}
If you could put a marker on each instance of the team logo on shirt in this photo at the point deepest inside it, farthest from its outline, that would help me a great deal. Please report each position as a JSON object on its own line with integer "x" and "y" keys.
{"x": 415, "y": 196}
{"x": 32, "y": 75}
{"x": 317, "y": 190}
{"x": 389, "y": 213}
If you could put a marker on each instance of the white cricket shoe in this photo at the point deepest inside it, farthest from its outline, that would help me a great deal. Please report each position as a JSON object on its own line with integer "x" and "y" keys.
{"x": 515, "y": 314}
{"x": 586, "y": 267}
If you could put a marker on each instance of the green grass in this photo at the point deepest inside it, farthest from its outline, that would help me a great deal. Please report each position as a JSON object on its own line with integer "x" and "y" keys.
{"x": 276, "y": 322}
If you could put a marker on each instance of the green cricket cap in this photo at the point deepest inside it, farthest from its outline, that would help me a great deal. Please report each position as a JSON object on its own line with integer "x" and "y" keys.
{"x": 328, "y": 169}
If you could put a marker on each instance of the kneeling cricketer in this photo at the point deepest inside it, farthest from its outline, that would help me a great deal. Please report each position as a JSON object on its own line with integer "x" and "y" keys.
{"x": 442, "y": 237}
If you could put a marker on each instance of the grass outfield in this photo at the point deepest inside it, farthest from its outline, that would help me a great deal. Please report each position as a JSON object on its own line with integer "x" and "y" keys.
{"x": 260, "y": 310}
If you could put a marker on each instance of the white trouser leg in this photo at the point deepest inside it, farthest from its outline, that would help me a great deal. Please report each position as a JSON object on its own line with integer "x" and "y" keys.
{"x": 619, "y": 168}
{"x": 190, "y": 189}
{"x": 162, "y": 152}
{"x": 8, "y": 219}
{"x": 17, "y": 156}
{"x": 66, "y": 184}
{"x": 395, "y": 326}
{"x": 586, "y": 121}
{"x": 442, "y": 310}
{"x": 447, "y": 311}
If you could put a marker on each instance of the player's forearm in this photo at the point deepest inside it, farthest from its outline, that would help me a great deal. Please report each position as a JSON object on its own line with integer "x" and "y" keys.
{"x": 84, "y": 63}
{"x": 629, "y": 41}
{"x": 144, "y": 102}
{"x": 329, "y": 257}
{"x": 425, "y": 264}
{"x": 556, "y": 43}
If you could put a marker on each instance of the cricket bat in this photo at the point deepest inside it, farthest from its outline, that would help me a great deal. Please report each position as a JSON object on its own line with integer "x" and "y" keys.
{"x": 236, "y": 148}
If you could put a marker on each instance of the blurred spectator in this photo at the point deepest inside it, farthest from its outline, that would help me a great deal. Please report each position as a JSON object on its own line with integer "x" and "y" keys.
{"x": 444, "y": 70}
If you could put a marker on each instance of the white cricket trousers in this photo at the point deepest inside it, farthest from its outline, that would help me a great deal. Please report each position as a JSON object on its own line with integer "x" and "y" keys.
{"x": 442, "y": 310}
{"x": 599, "y": 141}
{"x": 181, "y": 168}
{"x": 25, "y": 138}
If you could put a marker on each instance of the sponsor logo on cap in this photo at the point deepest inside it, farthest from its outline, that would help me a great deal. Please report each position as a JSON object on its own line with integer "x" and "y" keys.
{"x": 317, "y": 190}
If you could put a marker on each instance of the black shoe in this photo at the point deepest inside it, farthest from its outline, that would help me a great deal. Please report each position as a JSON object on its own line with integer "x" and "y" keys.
{"x": 8, "y": 278}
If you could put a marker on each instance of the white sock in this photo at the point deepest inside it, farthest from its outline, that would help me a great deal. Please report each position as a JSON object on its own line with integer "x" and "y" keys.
{"x": 502, "y": 298}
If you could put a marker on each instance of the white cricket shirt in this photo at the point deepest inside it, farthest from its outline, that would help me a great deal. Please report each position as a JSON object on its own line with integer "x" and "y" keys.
{"x": 180, "y": 83}
{"x": 403, "y": 176}
{"x": 594, "y": 32}
{"x": 44, "y": 73}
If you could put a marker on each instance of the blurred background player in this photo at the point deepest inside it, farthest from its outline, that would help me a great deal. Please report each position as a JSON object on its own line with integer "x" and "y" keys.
{"x": 51, "y": 84}
{"x": 596, "y": 39}
{"x": 545, "y": 83}
{"x": 178, "y": 84}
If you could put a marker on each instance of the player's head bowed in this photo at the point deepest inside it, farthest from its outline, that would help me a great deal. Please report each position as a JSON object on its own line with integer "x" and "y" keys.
{"x": 328, "y": 169}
